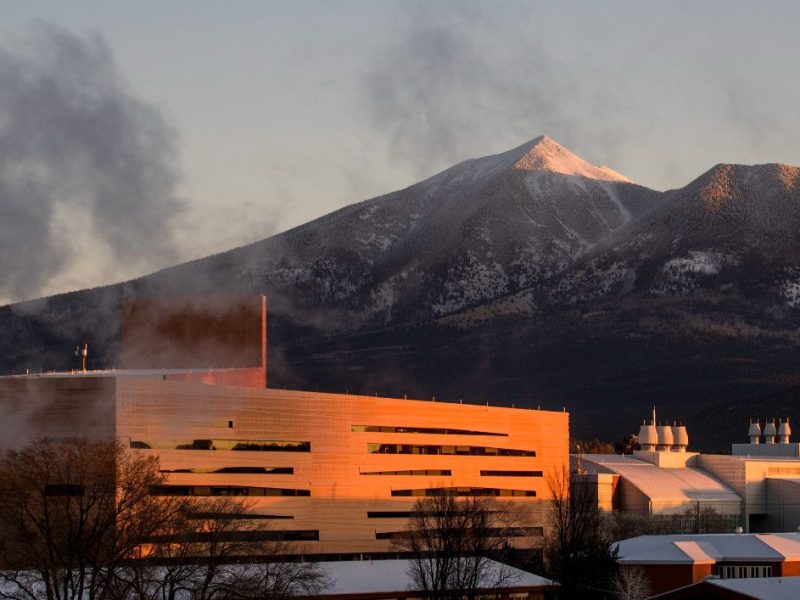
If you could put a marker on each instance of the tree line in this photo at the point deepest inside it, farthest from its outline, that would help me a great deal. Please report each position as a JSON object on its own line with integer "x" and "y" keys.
{"x": 78, "y": 521}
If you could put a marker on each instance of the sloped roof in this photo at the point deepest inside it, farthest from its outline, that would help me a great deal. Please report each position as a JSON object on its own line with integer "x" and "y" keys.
{"x": 383, "y": 576}
{"x": 763, "y": 588}
{"x": 700, "y": 548}
{"x": 684, "y": 484}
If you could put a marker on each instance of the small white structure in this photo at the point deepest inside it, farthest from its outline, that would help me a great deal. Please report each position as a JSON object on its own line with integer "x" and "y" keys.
{"x": 755, "y": 432}
{"x": 648, "y": 436}
{"x": 680, "y": 438}
{"x": 784, "y": 432}
{"x": 770, "y": 432}
{"x": 665, "y": 439}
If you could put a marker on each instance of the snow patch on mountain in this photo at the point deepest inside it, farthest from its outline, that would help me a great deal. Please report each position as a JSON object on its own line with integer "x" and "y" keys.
{"x": 594, "y": 281}
{"x": 790, "y": 288}
{"x": 470, "y": 283}
{"x": 680, "y": 275}
{"x": 545, "y": 154}
{"x": 521, "y": 304}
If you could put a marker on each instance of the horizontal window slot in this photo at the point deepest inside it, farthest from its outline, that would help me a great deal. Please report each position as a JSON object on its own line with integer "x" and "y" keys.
{"x": 223, "y": 444}
{"x": 440, "y": 472}
{"x": 402, "y": 514}
{"x": 465, "y": 491}
{"x": 511, "y": 473}
{"x": 425, "y": 430}
{"x": 204, "y": 490}
{"x": 390, "y": 514}
{"x": 237, "y": 516}
{"x": 446, "y": 450}
{"x": 510, "y": 532}
{"x": 249, "y": 470}
{"x": 298, "y": 535}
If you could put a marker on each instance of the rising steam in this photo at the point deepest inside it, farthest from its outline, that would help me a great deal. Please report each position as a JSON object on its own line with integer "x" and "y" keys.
{"x": 86, "y": 168}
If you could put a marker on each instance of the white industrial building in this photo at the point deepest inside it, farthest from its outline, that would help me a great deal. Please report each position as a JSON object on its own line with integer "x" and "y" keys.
{"x": 756, "y": 487}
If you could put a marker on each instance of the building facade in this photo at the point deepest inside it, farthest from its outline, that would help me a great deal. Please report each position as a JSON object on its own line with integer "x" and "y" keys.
{"x": 337, "y": 473}
{"x": 674, "y": 561}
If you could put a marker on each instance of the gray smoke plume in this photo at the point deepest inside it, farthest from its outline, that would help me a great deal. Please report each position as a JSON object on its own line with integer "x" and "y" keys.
{"x": 442, "y": 90}
{"x": 84, "y": 164}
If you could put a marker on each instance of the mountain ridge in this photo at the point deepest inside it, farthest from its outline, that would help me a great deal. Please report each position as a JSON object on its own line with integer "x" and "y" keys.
{"x": 530, "y": 275}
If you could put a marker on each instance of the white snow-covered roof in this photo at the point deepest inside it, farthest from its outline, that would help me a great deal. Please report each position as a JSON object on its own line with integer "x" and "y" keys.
{"x": 352, "y": 578}
{"x": 763, "y": 588}
{"x": 684, "y": 484}
{"x": 385, "y": 576}
{"x": 705, "y": 548}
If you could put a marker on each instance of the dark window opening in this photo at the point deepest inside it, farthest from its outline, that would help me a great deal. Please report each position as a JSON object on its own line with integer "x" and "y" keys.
{"x": 427, "y": 430}
{"x": 446, "y": 450}
{"x": 223, "y": 444}
{"x": 465, "y": 491}
{"x": 237, "y": 516}
{"x": 242, "y": 469}
{"x": 441, "y": 472}
{"x": 201, "y": 490}
{"x": 511, "y": 473}
{"x": 297, "y": 535}
{"x": 400, "y": 514}
{"x": 510, "y": 532}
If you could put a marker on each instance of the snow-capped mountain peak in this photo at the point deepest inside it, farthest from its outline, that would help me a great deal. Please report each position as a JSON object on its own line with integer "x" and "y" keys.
{"x": 545, "y": 154}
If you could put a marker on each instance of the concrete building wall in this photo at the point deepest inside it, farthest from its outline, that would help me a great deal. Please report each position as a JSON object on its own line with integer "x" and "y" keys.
{"x": 207, "y": 332}
{"x": 33, "y": 407}
{"x": 341, "y": 472}
{"x": 767, "y": 508}
{"x": 632, "y": 499}
{"x": 783, "y": 505}
{"x": 347, "y": 474}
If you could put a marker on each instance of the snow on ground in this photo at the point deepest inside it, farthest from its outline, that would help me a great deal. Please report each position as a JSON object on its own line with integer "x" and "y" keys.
{"x": 471, "y": 283}
{"x": 790, "y": 288}
{"x": 680, "y": 275}
{"x": 592, "y": 282}
{"x": 546, "y": 154}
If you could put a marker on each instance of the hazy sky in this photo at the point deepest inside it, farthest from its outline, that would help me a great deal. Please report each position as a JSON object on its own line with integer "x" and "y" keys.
{"x": 248, "y": 118}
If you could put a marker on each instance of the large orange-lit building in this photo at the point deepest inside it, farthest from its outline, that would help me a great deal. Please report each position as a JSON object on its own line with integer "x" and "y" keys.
{"x": 339, "y": 473}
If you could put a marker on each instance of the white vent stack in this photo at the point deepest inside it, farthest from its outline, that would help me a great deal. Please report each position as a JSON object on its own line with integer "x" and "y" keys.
{"x": 755, "y": 432}
{"x": 648, "y": 438}
{"x": 784, "y": 431}
{"x": 770, "y": 432}
{"x": 680, "y": 438}
{"x": 665, "y": 439}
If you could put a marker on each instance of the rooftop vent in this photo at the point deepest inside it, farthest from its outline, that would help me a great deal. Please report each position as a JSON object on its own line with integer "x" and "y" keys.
{"x": 770, "y": 432}
{"x": 665, "y": 439}
{"x": 784, "y": 431}
{"x": 648, "y": 437}
{"x": 754, "y": 432}
{"x": 680, "y": 438}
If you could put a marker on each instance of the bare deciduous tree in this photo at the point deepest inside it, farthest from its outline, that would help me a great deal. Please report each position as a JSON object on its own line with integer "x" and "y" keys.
{"x": 578, "y": 548}
{"x": 455, "y": 541}
{"x": 73, "y": 512}
{"x": 631, "y": 584}
{"x": 79, "y": 522}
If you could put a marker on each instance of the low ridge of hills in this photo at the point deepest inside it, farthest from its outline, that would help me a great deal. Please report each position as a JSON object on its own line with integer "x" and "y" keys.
{"x": 529, "y": 277}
